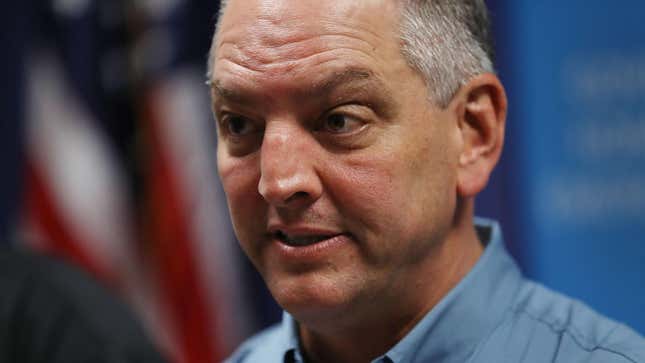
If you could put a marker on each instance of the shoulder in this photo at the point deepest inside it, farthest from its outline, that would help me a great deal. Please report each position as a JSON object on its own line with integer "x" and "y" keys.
{"x": 47, "y": 306}
{"x": 267, "y": 346}
{"x": 543, "y": 323}
{"x": 39, "y": 286}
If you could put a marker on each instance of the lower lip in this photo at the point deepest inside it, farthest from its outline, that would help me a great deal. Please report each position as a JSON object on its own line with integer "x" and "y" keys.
{"x": 314, "y": 251}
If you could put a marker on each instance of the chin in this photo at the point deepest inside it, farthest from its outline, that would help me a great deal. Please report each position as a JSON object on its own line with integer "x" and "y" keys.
{"x": 312, "y": 299}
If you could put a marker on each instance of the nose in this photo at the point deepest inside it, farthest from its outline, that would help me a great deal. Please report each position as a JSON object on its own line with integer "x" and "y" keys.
{"x": 288, "y": 167}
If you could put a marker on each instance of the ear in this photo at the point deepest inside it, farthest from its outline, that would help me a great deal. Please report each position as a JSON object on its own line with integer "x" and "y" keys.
{"x": 481, "y": 113}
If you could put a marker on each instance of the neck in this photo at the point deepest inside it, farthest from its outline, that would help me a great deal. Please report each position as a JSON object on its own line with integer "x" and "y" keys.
{"x": 377, "y": 328}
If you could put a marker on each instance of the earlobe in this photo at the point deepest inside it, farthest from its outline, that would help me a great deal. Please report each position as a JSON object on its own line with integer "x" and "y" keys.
{"x": 482, "y": 117}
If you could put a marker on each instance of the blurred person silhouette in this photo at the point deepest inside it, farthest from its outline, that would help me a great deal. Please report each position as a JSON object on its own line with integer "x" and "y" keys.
{"x": 353, "y": 137}
{"x": 51, "y": 312}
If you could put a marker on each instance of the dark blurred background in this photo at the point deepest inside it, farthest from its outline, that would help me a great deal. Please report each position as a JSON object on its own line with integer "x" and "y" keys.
{"x": 108, "y": 157}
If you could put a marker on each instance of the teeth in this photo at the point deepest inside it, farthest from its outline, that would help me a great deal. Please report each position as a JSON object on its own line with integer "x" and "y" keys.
{"x": 303, "y": 241}
{"x": 299, "y": 241}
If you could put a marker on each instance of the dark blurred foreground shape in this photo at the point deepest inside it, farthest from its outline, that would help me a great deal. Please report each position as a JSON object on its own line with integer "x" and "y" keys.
{"x": 52, "y": 313}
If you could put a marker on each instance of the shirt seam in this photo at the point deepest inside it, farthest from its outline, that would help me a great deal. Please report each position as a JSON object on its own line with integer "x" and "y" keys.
{"x": 502, "y": 321}
{"x": 489, "y": 336}
{"x": 578, "y": 337}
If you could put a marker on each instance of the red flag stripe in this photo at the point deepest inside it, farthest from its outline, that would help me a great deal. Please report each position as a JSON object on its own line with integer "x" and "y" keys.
{"x": 60, "y": 240}
{"x": 173, "y": 246}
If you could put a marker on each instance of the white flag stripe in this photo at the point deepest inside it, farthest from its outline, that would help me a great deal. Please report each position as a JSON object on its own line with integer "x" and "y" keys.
{"x": 78, "y": 165}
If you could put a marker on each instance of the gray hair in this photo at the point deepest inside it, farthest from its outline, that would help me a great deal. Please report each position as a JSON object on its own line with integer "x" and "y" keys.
{"x": 446, "y": 41}
{"x": 210, "y": 64}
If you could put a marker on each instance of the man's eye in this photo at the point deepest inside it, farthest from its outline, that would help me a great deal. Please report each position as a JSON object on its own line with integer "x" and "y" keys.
{"x": 238, "y": 125}
{"x": 340, "y": 124}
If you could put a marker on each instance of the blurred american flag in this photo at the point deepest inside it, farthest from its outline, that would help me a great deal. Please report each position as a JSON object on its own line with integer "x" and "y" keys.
{"x": 120, "y": 173}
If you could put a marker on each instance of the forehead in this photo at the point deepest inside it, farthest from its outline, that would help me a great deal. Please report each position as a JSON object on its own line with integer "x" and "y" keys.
{"x": 261, "y": 35}
{"x": 302, "y": 15}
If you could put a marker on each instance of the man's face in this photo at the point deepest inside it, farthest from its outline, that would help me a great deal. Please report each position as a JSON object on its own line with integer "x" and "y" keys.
{"x": 339, "y": 173}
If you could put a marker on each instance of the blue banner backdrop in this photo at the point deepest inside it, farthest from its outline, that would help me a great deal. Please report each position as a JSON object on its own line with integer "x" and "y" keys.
{"x": 573, "y": 173}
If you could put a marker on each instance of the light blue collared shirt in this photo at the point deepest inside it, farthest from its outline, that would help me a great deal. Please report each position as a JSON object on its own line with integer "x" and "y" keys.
{"x": 493, "y": 315}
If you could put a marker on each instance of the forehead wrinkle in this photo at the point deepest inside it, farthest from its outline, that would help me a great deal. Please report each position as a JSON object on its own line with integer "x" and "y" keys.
{"x": 266, "y": 39}
{"x": 352, "y": 75}
{"x": 259, "y": 57}
{"x": 352, "y": 84}
{"x": 283, "y": 32}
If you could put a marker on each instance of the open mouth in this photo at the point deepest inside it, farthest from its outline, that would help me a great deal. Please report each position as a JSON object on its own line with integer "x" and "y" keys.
{"x": 299, "y": 241}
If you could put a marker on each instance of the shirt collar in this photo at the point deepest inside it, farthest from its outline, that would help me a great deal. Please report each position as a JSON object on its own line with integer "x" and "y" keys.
{"x": 451, "y": 331}
{"x": 292, "y": 343}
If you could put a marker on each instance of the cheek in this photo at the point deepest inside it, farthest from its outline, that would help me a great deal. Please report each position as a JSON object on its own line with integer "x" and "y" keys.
{"x": 240, "y": 176}
{"x": 240, "y": 182}
{"x": 395, "y": 200}
{"x": 382, "y": 212}
{"x": 366, "y": 192}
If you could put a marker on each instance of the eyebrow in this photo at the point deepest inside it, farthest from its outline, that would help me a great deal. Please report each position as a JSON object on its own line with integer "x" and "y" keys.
{"x": 343, "y": 77}
{"x": 227, "y": 93}
{"x": 325, "y": 86}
